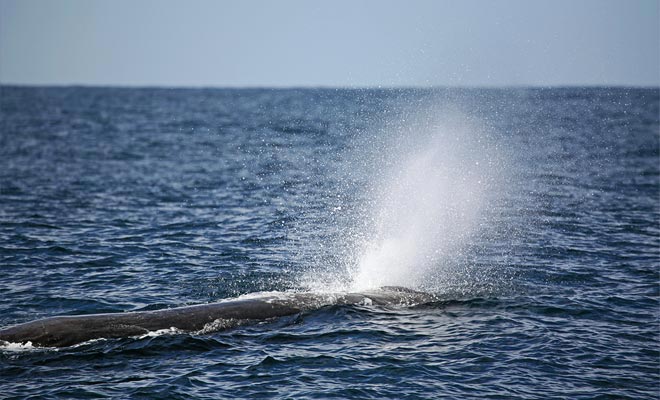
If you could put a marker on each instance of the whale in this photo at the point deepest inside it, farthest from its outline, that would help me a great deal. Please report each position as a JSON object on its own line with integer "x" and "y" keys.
{"x": 69, "y": 330}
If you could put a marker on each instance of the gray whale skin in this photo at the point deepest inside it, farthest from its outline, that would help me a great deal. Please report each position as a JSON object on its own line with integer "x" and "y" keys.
{"x": 204, "y": 318}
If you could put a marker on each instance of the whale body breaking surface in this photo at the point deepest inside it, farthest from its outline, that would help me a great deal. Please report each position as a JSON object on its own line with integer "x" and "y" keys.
{"x": 64, "y": 331}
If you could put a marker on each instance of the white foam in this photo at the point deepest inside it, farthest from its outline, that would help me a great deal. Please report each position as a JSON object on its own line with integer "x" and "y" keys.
{"x": 160, "y": 332}
{"x": 16, "y": 347}
{"x": 12, "y": 347}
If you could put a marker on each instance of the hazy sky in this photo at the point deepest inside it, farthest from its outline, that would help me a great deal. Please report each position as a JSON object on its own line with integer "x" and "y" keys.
{"x": 330, "y": 43}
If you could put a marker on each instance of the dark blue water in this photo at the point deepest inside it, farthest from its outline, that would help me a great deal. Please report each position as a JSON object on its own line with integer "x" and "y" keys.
{"x": 116, "y": 200}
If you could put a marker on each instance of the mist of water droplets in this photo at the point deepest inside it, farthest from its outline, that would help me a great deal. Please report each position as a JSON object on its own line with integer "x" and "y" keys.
{"x": 428, "y": 180}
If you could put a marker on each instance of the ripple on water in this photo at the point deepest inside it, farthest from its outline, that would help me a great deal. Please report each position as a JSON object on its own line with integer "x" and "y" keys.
{"x": 118, "y": 199}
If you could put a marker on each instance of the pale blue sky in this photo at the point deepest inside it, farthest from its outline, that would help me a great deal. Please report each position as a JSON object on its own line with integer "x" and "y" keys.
{"x": 330, "y": 43}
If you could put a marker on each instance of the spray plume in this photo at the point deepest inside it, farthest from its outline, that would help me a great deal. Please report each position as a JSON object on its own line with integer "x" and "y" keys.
{"x": 430, "y": 179}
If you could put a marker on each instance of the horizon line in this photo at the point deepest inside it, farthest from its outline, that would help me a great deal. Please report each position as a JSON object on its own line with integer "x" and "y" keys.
{"x": 327, "y": 87}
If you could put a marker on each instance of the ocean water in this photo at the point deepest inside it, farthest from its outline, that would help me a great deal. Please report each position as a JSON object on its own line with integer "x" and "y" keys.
{"x": 532, "y": 215}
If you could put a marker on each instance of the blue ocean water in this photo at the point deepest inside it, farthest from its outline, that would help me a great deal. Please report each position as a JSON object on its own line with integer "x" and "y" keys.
{"x": 532, "y": 214}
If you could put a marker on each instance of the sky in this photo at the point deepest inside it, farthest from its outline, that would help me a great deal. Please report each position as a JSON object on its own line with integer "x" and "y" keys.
{"x": 339, "y": 43}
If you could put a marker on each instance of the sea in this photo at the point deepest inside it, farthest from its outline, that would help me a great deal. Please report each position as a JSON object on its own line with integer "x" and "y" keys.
{"x": 531, "y": 215}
